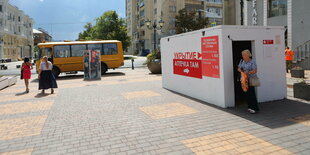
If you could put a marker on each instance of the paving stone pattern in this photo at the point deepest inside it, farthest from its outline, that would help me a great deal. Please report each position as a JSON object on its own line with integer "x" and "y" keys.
{"x": 128, "y": 112}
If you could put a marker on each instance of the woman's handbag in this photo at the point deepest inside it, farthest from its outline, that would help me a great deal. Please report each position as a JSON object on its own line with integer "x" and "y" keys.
{"x": 254, "y": 81}
{"x": 21, "y": 74}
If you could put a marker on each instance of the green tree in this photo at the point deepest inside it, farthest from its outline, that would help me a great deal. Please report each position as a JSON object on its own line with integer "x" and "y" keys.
{"x": 108, "y": 27}
{"x": 87, "y": 33}
{"x": 187, "y": 21}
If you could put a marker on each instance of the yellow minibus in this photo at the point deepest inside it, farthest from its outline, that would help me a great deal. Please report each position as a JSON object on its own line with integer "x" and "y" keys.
{"x": 67, "y": 56}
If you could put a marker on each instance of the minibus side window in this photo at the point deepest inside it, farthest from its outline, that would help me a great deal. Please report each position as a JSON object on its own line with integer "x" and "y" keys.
{"x": 109, "y": 49}
{"x": 77, "y": 50}
{"x": 62, "y": 51}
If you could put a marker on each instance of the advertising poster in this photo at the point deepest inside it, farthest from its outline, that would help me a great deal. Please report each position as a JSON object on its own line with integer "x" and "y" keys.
{"x": 187, "y": 64}
{"x": 210, "y": 56}
{"x": 92, "y": 65}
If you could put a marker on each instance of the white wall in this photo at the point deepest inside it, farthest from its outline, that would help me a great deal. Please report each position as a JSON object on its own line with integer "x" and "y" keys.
{"x": 220, "y": 91}
{"x": 210, "y": 90}
{"x": 271, "y": 66}
{"x": 300, "y": 22}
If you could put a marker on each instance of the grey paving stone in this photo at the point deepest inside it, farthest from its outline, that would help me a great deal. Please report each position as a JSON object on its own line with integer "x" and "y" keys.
{"x": 97, "y": 119}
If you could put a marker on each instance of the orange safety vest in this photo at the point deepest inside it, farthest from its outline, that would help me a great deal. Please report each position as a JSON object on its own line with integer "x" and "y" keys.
{"x": 289, "y": 54}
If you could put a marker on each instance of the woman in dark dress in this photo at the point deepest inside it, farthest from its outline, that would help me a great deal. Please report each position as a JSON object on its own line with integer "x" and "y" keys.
{"x": 46, "y": 77}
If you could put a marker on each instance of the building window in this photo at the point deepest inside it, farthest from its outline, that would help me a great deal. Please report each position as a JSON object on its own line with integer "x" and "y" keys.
{"x": 1, "y": 8}
{"x": 141, "y": 4}
{"x": 172, "y": 9}
{"x": 172, "y": 21}
{"x": 277, "y": 8}
{"x": 214, "y": 12}
{"x": 172, "y": 32}
{"x": 18, "y": 18}
{"x": 142, "y": 13}
{"x": 214, "y": 1}
{"x": 155, "y": 11}
{"x": 142, "y": 22}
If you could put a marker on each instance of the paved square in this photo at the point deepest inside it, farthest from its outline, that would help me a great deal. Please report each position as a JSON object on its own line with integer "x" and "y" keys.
{"x": 21, "y": 127}
{"x": 168, "y": 110}
{"x": 24, "y": 107}
{"x": 140, "y": 94}
{"x": 128, "y": 112}
{"x": 10, "y": 98}
{"x": 305, "y": 120}
{"x": 20, "y": 152}
{"x": 232, "y": 142}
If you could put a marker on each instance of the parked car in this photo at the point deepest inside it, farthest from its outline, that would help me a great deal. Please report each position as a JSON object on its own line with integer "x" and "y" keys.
{"x": 3, "y": 60}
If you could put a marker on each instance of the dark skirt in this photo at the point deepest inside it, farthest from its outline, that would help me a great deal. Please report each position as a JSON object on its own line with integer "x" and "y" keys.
{"x": 47, "y": 80}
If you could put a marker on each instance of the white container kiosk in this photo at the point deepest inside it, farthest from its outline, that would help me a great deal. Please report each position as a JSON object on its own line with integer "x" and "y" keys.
{"x": 203, "y": 64}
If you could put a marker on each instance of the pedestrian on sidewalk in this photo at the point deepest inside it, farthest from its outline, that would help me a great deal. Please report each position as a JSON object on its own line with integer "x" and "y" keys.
{"x": 26, "y": 72}
{"x": 249, "y": 67}
{"x": 289, "y": 58}
{"x": 46, "y": 77}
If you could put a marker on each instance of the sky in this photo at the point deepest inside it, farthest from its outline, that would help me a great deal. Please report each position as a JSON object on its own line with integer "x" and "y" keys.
{"x": 64, "y": 19}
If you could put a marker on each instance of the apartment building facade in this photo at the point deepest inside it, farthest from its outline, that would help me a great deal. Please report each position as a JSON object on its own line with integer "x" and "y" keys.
{"x": 16, "y": 36}
{"x": 40, "y": 36}
{"x": 138, "y": 11}
{"x": 291, "y": 14}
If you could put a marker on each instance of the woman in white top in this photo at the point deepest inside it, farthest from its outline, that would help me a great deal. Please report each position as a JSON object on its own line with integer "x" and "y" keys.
{"x": 46, "y": 77}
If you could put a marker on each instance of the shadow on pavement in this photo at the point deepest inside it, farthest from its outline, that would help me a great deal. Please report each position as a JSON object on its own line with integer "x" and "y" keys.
{"x": 35, "y": 81}
{"x": 275, "y": 114}
{"x": 72, "y": 77}
{"x": 109, "y": 74}
{"x": 155, "y": 74}
{"x": 20, "y": 94}
{"x": 41, "y": 95}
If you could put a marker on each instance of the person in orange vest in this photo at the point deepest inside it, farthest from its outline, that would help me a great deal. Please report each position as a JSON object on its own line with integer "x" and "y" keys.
{"x": 289, "y": 58}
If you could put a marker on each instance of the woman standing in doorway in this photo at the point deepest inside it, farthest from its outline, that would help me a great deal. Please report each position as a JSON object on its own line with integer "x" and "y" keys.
{"x": 46, "y": 78}
{"x": 249, "y": 67}
{"x": 26, "y": 72}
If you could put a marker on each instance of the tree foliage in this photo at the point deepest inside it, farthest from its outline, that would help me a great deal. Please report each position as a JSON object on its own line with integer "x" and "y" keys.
{"x": 187, "y": 21}
{"x": 108, "y": 27}
{"x": 86, "y": 34}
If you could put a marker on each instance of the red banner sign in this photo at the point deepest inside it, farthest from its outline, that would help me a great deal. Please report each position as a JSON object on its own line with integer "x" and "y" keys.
{"x": 267, "y": 42}
{"x": 210, "y": 56}
{"x": 185, "y": 67}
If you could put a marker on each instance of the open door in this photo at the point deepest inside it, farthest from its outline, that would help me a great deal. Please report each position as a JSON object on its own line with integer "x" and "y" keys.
{"x": 238, "y": 47}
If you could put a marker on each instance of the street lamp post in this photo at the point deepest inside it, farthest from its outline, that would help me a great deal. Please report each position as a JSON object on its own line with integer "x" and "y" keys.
{"x": 155, "y": 27}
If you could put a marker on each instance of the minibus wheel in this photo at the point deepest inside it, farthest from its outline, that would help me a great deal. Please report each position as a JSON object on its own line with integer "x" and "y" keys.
{"x": 104, "y": 68}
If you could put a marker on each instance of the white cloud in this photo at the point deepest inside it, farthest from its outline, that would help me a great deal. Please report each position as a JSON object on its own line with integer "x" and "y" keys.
{"x": 41, "y": 0}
